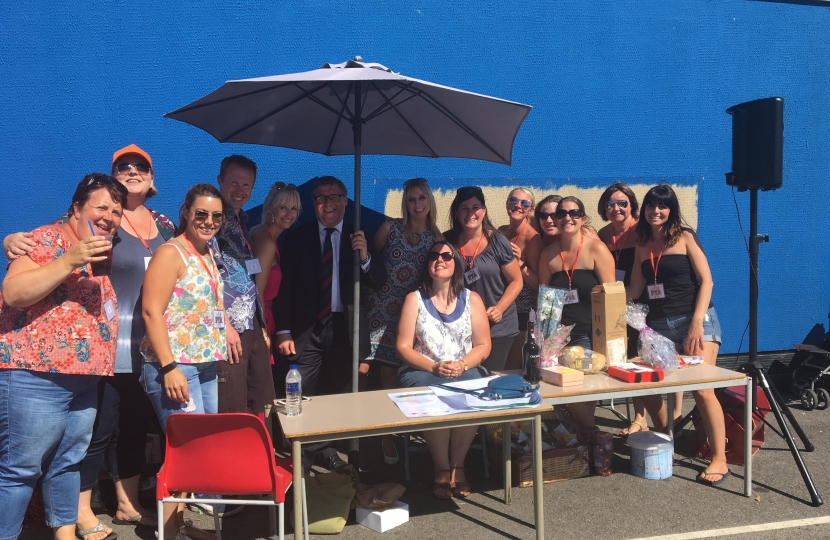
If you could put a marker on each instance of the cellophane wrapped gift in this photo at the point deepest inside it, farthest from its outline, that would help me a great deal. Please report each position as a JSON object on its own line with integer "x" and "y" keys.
{"x": 655, "y": 349}
{"x": 551, "y": 336}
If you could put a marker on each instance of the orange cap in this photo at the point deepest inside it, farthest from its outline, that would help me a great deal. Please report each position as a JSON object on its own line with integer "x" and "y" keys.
{"x": 131, "y": 149}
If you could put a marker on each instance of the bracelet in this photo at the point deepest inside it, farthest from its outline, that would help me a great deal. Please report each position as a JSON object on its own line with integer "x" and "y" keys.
{"x": 464, "y": 363}
{"x": 168, "y": 368}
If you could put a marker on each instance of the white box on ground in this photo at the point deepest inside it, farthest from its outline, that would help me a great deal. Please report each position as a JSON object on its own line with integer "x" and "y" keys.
{"x": 384, "y": 519}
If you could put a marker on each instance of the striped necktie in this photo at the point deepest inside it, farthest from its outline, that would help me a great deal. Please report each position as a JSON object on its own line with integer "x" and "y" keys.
{"x": 326, "y": 274}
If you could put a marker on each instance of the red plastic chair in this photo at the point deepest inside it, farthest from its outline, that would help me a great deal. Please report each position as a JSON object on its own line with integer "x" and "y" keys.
{"x": 222, "y": 454}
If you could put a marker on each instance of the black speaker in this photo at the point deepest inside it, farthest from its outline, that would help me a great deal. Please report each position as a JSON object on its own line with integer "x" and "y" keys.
{"x": 757, "y": 144}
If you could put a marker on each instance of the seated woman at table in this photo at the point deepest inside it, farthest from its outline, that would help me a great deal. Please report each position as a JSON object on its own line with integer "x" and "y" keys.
{"x": 58, "y": 322}
{"x": 671, "y": 274}
{"x": 443, "y": 336}
{"x": 577, "y": 262}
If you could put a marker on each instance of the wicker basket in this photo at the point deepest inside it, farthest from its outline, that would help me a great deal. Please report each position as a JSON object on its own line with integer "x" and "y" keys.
{"x": 557, "y": 464}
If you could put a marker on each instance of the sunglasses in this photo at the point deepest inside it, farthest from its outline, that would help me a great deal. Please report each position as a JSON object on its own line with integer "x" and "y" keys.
{"x": 139, "y": 167}
{"x": 321, "y": 199}
{"x": 515, "y": 200}
{"x": 202, "y": 215}
{"x": 544, "y": 216}
{"x": 99, "y": 180}
{"x": 622, "y": 203}
{"x": 446, "y": 256}
{"x": 575, "y": 213}
{"x": 282, "y": 185}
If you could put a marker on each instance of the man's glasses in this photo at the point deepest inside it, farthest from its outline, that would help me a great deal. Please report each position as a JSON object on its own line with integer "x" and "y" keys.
{"x": 321, "y": 199}
{"x": 139, "y": 167}
{"x": 446, "y": 256}
{"x": 202, "y": 215}
{"x": 622, "y": 203}
{"x": 515, "y": 200}
{"x": 575, "y": 213}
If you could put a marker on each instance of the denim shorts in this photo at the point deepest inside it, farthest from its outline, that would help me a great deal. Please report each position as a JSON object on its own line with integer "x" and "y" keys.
{"x": 676, "y": 328}
{"x": 202, "y": 385}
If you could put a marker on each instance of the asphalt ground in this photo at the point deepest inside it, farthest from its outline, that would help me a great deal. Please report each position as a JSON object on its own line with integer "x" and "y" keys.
{"x": 620, "y": 506}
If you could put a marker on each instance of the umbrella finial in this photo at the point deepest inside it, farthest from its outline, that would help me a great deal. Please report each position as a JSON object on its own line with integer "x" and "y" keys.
{"x": 358, "y": 58}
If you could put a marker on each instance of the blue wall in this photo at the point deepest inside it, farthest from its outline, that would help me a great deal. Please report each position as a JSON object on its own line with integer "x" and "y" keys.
{"x": 624, "y": 89}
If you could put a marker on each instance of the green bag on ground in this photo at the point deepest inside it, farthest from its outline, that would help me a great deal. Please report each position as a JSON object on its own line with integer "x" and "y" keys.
{"x": 329, "y": 498}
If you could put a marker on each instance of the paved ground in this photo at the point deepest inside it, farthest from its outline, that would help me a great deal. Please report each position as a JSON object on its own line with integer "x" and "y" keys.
{"x": 617, "y": 507}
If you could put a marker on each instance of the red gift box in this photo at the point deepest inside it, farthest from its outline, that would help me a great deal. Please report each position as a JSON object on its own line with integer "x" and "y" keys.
{"x": 636, "y": 376}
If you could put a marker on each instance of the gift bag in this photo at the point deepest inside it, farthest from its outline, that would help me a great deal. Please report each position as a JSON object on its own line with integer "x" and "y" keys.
{"x": 329, "y": 499}
{"x": 655, "y": 349}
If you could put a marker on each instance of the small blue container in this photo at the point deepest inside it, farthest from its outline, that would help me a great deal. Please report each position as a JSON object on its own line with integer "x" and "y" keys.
{"x": 652, "y": 455}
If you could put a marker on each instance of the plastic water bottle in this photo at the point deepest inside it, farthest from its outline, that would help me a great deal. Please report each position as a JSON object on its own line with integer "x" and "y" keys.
{"x": 293, "y": 392}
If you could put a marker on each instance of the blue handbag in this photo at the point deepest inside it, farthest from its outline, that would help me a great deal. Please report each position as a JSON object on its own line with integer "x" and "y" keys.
{"x": 505, "y": 387}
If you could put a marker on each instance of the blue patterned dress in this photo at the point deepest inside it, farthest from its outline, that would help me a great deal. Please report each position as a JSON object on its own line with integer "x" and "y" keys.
{"x": 404, "y": 262}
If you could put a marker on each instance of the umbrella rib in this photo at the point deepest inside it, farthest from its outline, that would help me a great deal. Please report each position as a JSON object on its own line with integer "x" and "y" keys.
{"x": 306, "y": 94}
{"x": 345, "y": 106}
{"x": 195, "y": 106}
{"x": 402, "y": 117}
{"x": 387, "y": 104}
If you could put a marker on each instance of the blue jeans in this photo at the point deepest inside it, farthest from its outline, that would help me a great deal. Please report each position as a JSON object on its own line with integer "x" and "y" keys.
{"x": 676, "y": 328}
{"x": 45, "y": 427}
{"x": 409, "y": 377}
{"x": 202, "y": 385}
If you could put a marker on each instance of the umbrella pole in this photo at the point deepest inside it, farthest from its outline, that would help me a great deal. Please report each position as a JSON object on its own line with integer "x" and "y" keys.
{"x": 357, "y": 129}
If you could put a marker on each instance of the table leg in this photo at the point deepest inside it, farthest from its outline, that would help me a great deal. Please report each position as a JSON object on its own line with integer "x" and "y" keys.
{"x": 538, "y": 479}
{"x": 506, "y": 461}
{"x": 296, "y": 454}
{"x": 670, "y": 415}
{"x": 749, "y": 400}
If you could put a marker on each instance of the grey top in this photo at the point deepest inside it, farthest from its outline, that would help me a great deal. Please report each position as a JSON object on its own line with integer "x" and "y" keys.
{"x": 492, "y": 283}
{"x": 128, "y": 253}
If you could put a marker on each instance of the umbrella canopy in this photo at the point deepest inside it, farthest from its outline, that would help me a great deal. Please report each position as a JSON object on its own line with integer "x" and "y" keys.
{"x": 315, "y": 111}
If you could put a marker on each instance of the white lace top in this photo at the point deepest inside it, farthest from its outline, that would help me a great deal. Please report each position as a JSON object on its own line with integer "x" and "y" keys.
{"x": 440, "y": 336}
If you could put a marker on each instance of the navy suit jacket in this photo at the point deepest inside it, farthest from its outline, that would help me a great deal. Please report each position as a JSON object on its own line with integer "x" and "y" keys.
{"x": 298, "y": 301}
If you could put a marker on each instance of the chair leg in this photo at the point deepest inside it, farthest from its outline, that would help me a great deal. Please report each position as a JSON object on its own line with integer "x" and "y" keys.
{"x": 406, "y": 455}
{"x": 272, "y": 519}
{"x": 217, "y": 522}
{"x": 160, "y": 518}
{"x": 484, "y": 452}
{"x": 305, "y": 512}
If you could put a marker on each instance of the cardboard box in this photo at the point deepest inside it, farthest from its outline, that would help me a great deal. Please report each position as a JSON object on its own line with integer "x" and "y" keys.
{"x": 563, "y": 376}
{"x": 384, "y": 519}
{"x": 608, "y": 325}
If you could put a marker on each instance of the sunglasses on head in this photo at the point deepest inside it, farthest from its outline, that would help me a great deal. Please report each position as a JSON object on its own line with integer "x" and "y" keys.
{"x": 282, "y": 185}
{"x": 622, "y": 203}
{"x": 99, "y": 180}
{"x": 202, "y": 215}
{"x": 446, "y": 256}
{"x": 575, "y": 213}
{"x": 515, "y": 200}
{"x": 139, "y": 167}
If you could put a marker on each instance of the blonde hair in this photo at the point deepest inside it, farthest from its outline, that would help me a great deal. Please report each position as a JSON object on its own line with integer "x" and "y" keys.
{"x": 279, "y": 193}
{"x": 405, "y": 221}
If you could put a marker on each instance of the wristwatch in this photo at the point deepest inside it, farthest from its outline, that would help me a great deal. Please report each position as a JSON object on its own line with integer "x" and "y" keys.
{"x": 465, "y": 364}
{"x": 168, "y": 368}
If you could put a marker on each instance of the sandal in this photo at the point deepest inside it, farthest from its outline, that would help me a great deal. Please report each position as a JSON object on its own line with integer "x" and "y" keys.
{"x": 182, "y": 534}
{"x": 96, "y": 529}
{"x": 149, "y": 521}
{"x": 442, "y": 486}
{"x": 631, "y": 429}
{"x": 462, "y": 488}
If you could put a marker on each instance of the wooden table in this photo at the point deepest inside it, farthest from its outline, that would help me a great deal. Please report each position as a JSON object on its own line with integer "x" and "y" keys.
{"x": 600, "y": 386}
{"x": 364, "y": 414}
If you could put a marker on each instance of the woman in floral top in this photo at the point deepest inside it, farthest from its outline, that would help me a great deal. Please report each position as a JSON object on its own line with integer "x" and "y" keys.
{"x": 57, "y": 338}
{"x": 185, "y": 318}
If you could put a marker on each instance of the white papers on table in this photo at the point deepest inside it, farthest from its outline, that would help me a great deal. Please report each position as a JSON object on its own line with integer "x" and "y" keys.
{"x": 440, "y": 401}
{"x": 635, "y": 368}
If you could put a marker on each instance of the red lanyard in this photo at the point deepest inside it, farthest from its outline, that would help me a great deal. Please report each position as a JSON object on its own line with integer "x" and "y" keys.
{"x": 653, "y": 266}
{"x": 213, "y": 276}
{"x": 471, "y": 263}
{"x": 617, "y": 251}
{"x": 139, "y": 234}
{"x": 573, "y": 266}
{"x": 242, "y": 234}
{"x": 521, "y": 230}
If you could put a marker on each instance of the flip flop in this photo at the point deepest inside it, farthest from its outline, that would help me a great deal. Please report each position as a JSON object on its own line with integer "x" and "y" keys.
{"x": 442, "y": 486}
{"x": 136, "y": 520}
{"x": 98, "y": 528}
{"x": 715, "y": 483}
{"x": 630, "y": 429}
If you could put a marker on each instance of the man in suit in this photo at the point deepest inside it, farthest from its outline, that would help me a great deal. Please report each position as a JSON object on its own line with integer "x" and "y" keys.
{"x": 313, "y": 311}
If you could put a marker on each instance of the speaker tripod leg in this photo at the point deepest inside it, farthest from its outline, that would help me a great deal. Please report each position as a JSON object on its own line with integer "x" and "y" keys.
{"x": 758, "y": 375}
{"x": 808, "y": 446}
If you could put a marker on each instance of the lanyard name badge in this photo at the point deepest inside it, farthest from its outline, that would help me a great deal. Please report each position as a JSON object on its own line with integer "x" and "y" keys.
{"x": 655, "y": 292}
{"x": 218, "y": 314}
{"x": 252, "y": 265}
{"x": 571, "y": 295}
{"x": 472, "y": 274}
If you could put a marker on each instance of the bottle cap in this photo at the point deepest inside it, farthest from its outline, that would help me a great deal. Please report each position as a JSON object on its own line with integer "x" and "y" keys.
{"x": 292, "y": 366}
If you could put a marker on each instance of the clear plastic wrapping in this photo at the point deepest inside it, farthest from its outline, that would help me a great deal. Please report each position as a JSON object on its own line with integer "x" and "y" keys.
{"x": 551, "y": 336}
{"x": 655, "y": 349}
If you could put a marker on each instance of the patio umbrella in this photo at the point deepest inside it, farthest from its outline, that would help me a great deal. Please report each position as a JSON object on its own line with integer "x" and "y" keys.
{"x": 358, "y": 108}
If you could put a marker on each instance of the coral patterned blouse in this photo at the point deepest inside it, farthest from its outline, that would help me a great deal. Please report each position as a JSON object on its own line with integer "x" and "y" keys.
{"x": 68, "y": 331}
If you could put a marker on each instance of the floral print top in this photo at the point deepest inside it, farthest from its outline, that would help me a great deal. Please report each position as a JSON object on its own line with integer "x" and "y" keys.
{"x": 189, "y": 314}
{"x": 67, "y": 331}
